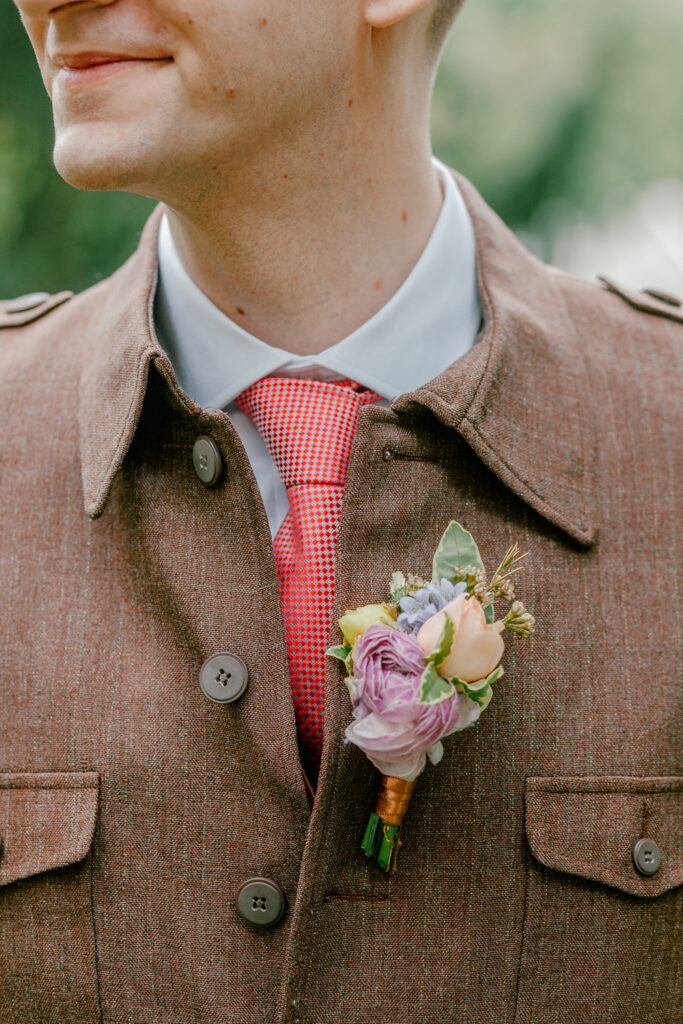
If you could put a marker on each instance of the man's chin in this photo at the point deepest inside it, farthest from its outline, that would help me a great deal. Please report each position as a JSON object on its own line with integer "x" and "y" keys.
{"x": 90, "y": 178}
{"x": 92, "y": 164}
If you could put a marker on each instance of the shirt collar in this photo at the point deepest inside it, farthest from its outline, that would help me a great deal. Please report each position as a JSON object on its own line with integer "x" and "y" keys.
{"x": 522, "y": 396}
{"x": 428, "y": 323}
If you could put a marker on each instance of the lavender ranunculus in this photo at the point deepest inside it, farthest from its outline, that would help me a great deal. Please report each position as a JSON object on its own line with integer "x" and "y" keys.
{"x": 390, "y": 726}
{"x": 416, "y": 608}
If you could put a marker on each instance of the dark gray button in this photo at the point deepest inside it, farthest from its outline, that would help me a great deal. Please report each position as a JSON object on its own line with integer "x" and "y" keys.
{"x": 207, "y": 460}
{"x": 23, "y": 303}
{"x": 260, "y": 901}
{"x": 646, "y": 856}
{"x": 223, "y": 678}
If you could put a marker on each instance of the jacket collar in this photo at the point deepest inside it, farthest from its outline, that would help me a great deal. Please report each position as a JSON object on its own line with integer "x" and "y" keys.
{"x": 519, "y": 396}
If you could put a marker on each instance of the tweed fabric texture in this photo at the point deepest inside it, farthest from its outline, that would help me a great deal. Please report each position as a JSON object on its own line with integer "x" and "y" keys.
{"x": 308, "y": 427}
{"x": 121, "y": 573}
{"x": 47, "y": 822}
{"x": 50, "y": 818}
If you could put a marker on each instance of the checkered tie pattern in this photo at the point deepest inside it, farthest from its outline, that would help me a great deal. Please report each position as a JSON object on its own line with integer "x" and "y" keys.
{"x": 308, "y": 427}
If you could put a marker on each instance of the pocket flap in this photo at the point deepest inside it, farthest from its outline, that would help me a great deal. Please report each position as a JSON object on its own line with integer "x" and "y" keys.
{"x": 47, "y": 820}
{"x": 587, "y": 826}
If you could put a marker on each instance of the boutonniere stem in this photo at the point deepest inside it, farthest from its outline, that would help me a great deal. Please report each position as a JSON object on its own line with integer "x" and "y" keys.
{"x": 381, "y": 839}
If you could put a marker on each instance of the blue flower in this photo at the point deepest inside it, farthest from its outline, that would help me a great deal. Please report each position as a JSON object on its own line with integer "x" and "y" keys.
{"x": 420, "y": 606}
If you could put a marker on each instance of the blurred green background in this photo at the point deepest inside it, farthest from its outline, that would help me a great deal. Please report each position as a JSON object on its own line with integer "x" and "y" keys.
{"x": 567, "y": 118}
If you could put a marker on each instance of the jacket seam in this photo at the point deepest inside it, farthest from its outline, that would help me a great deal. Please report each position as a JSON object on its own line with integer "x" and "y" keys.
{"x": 525, "y": 938}
{"x": 95, "y": 941}
{"x": 673, "y": 788}
{"x": 29, "y": 788}
{"x": 569, "y": 865}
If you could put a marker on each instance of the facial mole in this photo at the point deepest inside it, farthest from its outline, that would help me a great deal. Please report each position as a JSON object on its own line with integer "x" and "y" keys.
{"x": 240, "y": 311}
{"x": 285, "y": 175}
{"x": 350, "y": 103}
{"x": 264, "y": 21}
{"x": 190, "y": 21}
{"x": 230, "y": 93}
{"x": 404, "y": 216}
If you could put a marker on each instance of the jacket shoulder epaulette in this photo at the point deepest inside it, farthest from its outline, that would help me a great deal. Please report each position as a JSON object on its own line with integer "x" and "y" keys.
{"x": 647, "y": 300}
{"x": 26, "y": 308}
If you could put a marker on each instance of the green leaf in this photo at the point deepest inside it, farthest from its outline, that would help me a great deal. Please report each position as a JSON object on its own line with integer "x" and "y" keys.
{"x": 495, "y": 675}
{"x": 456, "y": 547}
{"x": 341, "y": 653}
{"x": 475, "y": 687}
{"x": 479, "y": 686}
{"x": 433, "y": 687}
{"x": 443, "y": 648}
{"x": 348, "y": 683}
{"x": 481, "y": 697}
{"x": 463, "y": 687}
{"x": 489, "y": 613}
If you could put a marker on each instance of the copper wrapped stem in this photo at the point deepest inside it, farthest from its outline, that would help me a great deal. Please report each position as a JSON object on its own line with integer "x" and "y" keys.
{"x": 393, "y": 799}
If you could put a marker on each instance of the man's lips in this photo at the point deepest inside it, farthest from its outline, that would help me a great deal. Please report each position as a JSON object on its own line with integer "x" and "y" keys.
{"x": 78, "y": 69}
{"x": 90, "y": 58}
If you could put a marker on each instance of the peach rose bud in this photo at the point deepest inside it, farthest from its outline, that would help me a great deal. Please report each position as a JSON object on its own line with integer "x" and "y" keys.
{"x": 477, "y": 647}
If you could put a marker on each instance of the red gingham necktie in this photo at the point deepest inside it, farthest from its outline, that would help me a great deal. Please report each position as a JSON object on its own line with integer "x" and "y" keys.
{"x": 308, "y": 427}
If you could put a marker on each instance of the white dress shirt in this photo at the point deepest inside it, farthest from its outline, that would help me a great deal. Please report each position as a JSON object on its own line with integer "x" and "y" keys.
{"x": 428, "y": 323}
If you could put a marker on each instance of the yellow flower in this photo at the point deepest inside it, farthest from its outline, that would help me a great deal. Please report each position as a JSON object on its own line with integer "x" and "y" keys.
{"x": 354, "y": 623}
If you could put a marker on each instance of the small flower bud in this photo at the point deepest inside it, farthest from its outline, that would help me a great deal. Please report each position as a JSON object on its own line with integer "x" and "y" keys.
{"x": 506, "y": 590}
{"x": 518, "y": 620}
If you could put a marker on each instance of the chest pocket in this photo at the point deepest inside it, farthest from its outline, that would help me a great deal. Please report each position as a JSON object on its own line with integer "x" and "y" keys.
{"x": 599, "y": 933}
{"x": 47, "y": 956}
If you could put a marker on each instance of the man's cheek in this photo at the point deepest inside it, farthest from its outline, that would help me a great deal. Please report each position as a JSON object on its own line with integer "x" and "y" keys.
{"x": 36, "y": 30}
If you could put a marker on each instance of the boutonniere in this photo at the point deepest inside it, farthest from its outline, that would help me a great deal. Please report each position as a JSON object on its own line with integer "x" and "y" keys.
{"x": 421, "y": 666}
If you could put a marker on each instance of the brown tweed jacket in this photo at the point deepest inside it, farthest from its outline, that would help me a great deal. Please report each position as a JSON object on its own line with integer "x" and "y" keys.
{"x": 132, "y": 808}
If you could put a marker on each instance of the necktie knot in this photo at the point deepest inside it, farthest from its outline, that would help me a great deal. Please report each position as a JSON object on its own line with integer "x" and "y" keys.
{"x": 308, "y": 425}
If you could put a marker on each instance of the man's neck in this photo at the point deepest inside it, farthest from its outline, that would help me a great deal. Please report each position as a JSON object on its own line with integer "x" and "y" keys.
{"x": 300, "y": 253}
